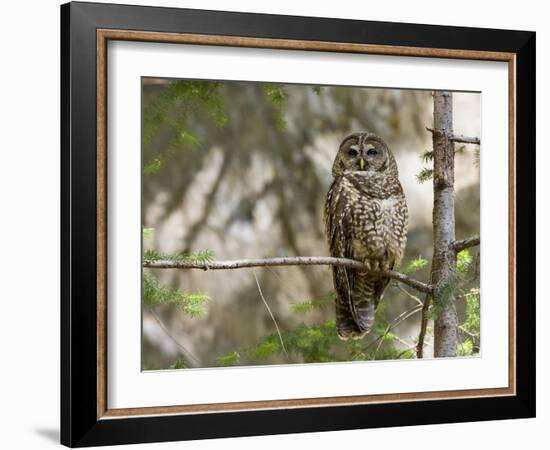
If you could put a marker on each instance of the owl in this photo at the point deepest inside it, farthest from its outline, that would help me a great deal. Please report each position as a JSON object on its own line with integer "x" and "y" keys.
{"x": 365, "y": 219}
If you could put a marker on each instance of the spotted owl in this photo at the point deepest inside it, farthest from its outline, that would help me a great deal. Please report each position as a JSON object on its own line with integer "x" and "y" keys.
{"x": 365, "y": 219}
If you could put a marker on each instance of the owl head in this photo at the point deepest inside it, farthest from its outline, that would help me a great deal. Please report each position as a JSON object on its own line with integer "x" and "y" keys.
{"x": 364, "y": 152}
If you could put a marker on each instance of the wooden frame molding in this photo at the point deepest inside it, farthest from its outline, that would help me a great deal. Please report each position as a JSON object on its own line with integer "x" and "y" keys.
{"x": 103, "y": 36}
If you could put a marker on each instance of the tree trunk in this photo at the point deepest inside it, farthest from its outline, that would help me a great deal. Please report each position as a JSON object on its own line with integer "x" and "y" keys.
{"x": 443, "y": 275}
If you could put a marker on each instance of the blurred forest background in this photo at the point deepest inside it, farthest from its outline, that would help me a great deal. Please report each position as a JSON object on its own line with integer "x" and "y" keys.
{"x": 237, "y": 170}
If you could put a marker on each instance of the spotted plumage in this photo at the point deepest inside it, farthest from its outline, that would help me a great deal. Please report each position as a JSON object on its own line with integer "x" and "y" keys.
{"x": 366, "y": 219}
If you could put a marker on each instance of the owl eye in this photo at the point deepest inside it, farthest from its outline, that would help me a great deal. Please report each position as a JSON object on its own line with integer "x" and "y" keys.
{"x": 372, "y": 151}
{"x": 352, "y": 152}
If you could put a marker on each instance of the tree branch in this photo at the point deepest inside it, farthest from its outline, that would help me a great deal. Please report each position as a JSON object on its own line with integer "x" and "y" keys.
{"x": 460, "y": 138}
{"x": 465, "y": 139}
{"x": 286, "y": 261}
{"x": 463, "y": 244}
{"x": 423, "y": 327}
{"x": 270, "y": 313}
{"x": 397, "y": 321}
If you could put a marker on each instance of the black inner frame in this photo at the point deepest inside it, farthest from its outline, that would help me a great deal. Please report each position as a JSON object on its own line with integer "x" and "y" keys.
{"x": 79, "y": 424}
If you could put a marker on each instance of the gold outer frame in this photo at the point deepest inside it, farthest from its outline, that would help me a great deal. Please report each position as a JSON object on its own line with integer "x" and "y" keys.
{"x": 104, "y": 35}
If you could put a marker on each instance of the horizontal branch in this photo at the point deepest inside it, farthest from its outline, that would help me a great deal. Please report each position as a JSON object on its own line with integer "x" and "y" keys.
{"x": 460, "y": 138}
{"x": 463, "y": 244}
{"x": 286, "y": 261}
{"x": 465, "y": 139}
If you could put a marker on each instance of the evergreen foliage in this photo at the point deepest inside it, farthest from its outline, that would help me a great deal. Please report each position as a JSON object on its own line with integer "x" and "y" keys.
{"x": 313, "y": 304}
{"x": 318, "y": 343}
{"x": 151, "y": 256}
{"x": 277, "y": 95}
{"x": 415, "y": 265}
{"x": 470, "y": 328}
{"x": 464, "y": 261}
{"x": 425, "y": 175}
{"x": 179, "y": 364}
{"x": 191, "y": 303}
{"x": 147, "y": 232}
{"x": 170, "y": 110}
{"x": 428, "y": 156}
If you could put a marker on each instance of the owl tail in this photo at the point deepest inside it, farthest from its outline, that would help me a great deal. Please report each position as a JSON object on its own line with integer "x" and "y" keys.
{"x": 364, "y": 300}
{"x": 345, "y": 323}
{"x": 364, "y": 310}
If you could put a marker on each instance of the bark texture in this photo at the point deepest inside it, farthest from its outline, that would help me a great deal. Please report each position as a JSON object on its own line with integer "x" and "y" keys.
{"x": 443, "y": 273}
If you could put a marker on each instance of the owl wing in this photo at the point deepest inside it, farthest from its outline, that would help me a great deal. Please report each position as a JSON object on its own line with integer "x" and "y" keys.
{"x": 400, "y": 225}
{"x": 338, "y": 224}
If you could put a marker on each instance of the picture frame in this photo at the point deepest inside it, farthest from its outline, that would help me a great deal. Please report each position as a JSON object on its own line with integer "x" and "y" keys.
{"x": 86, "y": 29}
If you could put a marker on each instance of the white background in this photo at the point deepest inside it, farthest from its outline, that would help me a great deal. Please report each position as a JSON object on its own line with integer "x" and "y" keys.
{"x": 130, "y": 388}
{"x": 29, "y": 225}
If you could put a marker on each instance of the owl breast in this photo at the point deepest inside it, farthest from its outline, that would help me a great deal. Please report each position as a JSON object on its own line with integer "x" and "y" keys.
{"x": 379, "y": 225}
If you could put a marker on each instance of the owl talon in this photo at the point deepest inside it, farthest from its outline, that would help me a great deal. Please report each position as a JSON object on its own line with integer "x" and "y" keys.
{"x": 372, "y": 264}
{"x": 354, "y": 335}
{"x": 359, "y": 335}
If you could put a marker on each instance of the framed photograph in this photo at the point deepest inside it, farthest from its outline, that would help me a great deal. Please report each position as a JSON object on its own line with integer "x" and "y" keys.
{"x": 277, "y": 224}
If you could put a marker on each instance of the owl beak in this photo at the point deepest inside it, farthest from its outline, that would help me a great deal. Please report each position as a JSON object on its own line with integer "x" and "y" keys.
{"x": 362, "y": 163}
